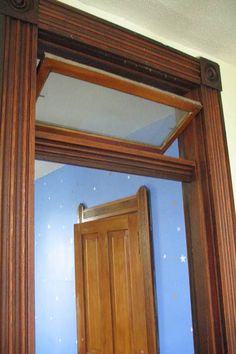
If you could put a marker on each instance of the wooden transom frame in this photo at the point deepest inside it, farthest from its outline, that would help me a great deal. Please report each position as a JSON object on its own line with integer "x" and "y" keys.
{"x": 27, "y": 31}
{"x": 53, "y": 64}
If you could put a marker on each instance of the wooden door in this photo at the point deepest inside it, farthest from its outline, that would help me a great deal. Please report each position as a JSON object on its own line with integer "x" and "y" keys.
{"x": 114, "y": 285}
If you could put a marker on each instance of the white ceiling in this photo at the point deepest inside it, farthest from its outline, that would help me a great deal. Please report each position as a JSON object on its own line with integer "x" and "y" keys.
{"x": 204, "y": 25}
{"x": 43, "y": 168}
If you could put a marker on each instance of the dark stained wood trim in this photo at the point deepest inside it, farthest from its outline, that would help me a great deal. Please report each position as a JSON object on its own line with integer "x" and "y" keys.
{"x": 206, "y": 311}
{"x": 74, "y": 147}
{"x": 24, "y": 10}
{"x": 210, "y": 215}
{"x": 210, "y": 219}
{"x": 95, "y": 38}
{"x": 222, "y": 209}
{"x": 210, "y": 74}
{"x": 17, "y": 110}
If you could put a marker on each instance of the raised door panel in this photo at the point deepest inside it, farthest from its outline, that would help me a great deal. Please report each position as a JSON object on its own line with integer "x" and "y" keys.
{"x": 127, "y": 290}
{"x": 93, "y": 299}
{"x": 121, "y": 291}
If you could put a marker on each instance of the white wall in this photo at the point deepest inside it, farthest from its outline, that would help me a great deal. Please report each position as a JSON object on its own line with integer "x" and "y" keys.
{"x": 228, "y": 75}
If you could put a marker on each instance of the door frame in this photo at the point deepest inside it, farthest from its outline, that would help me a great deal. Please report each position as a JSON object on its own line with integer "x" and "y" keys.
{"x": 208, "y": 200}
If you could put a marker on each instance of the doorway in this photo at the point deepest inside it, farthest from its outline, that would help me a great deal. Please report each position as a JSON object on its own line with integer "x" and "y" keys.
{"x": 58, "y": 194}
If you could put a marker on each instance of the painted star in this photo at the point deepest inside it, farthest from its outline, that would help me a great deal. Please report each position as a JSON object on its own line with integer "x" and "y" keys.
{"x": 183, "y": 259}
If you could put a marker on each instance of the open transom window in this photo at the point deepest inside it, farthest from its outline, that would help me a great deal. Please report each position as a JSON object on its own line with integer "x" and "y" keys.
{"x": 99, "y": 104}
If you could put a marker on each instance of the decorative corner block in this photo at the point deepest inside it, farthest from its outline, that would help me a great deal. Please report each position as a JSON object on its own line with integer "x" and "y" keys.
{"x": 210, "y": 74}
{"x": 25, "y": 10}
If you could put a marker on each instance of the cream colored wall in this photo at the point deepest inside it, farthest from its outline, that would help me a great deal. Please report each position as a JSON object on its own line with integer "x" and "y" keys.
{"x": 228, "y": 75}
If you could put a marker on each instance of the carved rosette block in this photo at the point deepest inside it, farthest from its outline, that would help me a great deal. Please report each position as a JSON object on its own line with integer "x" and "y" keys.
{"x": 210, "y": 74}
{"x": 25, "y": 10}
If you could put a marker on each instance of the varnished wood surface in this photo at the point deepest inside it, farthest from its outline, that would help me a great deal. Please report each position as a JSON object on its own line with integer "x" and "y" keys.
{"x": 123, "y": 206}
{"x": 211, "y": 242}
{"x": 24, "y": 10}
{"x": 78, "y": 148}
{"x": 222, "y": 210}
{"x": 59, "y": 33}
{"x": 115, "y": 300}
{"x": 69, "y": 68}
{"x": 18, "y": 82}
{"x": 83, "y": 37}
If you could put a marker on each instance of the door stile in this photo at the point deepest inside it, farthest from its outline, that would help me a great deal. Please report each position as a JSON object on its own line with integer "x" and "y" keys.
{"x": 148, "y": 267}
{"x": 80, "y": 303}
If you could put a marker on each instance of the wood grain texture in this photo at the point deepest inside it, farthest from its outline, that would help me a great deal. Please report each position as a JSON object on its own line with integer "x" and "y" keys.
{"x": 18, "y": 81}
{"x": 77, "y": 148}
{"x": 123, "y": 206}
{"x": 112, "y": 43}
{"x": 210, "y": 214}
{"x": 146, "y": 249}
{"x": 20, "y": 9}
{"x": 115, "y": 278}
{"x": 54, "y": 64}
{"x": 222, "y": 209}
{"x": 210, "y": 230}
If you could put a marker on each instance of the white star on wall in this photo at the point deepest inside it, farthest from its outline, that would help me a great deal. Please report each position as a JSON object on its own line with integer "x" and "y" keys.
{"x": 183, "y": 259}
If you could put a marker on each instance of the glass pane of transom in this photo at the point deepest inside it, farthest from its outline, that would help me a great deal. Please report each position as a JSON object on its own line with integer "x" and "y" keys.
{"x": 81, "y": 105}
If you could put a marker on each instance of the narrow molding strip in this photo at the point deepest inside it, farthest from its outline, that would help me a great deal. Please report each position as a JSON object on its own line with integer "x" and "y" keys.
{"x": 72, "y": 147}
{"x": 113, "y": 42}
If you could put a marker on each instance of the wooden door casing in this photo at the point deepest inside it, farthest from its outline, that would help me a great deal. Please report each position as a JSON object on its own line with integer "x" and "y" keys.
{"x": 76, "y": 35}
{"x": 112, "y": 314}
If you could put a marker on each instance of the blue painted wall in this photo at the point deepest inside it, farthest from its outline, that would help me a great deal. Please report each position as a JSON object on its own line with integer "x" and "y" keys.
{"x": 57, "y": 198}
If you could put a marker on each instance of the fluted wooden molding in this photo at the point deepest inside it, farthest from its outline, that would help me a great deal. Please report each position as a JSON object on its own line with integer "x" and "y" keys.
{"x": 79, "y": 148}
{"x": 221, "y": 197}
{"x": 116, "y": 49}
{"x": 25, "y": 10}
{"x": 211, "y": 232}
{"x": 18, "y": 82}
